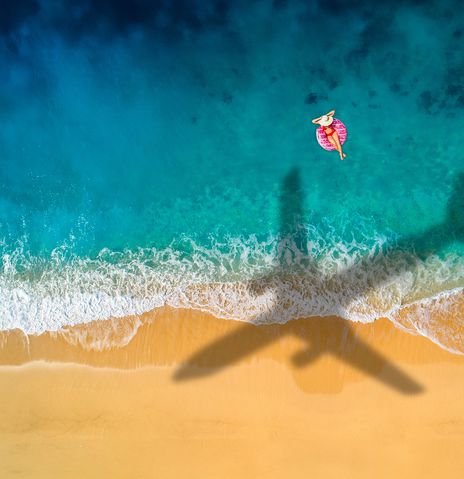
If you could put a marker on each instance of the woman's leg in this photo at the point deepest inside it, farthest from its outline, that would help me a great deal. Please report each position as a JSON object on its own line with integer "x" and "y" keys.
{"x": 338, "y": 145}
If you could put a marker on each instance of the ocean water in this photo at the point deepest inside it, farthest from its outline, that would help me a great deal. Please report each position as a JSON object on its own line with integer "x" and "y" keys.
{"x": 163, "y": 154}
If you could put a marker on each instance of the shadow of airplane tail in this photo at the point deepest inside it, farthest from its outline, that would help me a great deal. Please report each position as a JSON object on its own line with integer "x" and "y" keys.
{"x": 455, "y": 209}
{"x": 338, "y": 339}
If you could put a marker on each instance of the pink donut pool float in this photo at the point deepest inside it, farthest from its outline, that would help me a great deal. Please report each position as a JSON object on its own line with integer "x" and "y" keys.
{"x": 322, "y": 139}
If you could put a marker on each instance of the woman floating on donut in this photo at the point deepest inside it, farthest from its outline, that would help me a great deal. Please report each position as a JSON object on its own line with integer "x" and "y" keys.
{"x": 331, "y": 134}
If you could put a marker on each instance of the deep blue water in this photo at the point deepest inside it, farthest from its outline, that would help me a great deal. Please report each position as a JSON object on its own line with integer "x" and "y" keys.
{"x": 155, "y": 125}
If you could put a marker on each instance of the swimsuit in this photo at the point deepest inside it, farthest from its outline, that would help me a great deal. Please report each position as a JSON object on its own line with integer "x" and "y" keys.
{"x": 324, "y": 128}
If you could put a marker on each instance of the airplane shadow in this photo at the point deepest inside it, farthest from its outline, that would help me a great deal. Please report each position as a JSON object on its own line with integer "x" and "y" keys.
{"x": 329, "y": 335}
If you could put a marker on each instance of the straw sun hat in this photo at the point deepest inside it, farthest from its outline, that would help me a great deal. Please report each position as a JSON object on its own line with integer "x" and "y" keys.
{"x": 326, "y": 120}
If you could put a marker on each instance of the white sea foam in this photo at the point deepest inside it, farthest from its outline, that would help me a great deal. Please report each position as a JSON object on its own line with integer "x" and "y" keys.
{"x": 264, "y": 281}
{"x": 439, "y": 318}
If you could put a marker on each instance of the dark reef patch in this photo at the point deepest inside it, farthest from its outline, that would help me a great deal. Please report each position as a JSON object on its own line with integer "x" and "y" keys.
{"x": 312, "y": 98}
{"x": 355, "y": 59}
{"x": 377, "y": 33}
{"x": 278, "y": 4}
{"x": 426, "y": 100}
{"x": 454, "y": 89}
{"x": 227, "y": 97}
{"x": 460, "y": 101}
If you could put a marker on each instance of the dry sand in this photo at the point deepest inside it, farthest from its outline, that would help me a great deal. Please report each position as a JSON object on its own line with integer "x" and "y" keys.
{"x": 198, "y": 397}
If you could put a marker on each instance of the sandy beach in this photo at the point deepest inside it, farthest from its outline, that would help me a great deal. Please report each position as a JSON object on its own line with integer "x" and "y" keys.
{"x": 191, "y": 395}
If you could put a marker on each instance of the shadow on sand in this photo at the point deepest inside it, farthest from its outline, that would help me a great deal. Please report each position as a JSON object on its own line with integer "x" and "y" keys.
{"x": 330, "y": 335}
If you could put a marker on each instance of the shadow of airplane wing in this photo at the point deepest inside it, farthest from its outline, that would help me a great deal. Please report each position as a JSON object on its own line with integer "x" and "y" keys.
{"x": 227, "y": 350}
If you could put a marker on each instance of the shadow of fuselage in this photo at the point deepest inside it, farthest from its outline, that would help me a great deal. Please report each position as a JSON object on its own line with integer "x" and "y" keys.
{"x": 339, "y": 339}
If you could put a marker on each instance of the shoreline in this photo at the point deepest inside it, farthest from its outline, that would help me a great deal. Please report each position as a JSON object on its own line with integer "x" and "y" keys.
{"x": 174, "y": 336}
{"x": 436, "y": 317}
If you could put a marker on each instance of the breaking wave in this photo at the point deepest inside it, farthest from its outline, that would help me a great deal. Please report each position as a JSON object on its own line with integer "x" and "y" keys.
{"x": 271, "y": 280}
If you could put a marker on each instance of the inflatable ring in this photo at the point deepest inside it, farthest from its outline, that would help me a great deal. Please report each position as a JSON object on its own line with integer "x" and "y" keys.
{"x": 322, "y": 139}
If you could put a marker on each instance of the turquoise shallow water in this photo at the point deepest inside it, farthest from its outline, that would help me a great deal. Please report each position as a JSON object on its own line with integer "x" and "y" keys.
{"x": 144, "y": 154}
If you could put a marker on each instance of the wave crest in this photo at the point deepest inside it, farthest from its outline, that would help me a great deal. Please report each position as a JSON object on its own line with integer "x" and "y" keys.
{"x": 269, "y": 280}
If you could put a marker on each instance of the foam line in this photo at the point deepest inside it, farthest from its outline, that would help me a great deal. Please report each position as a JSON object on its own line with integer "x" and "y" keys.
{"x": 244, "y": 279}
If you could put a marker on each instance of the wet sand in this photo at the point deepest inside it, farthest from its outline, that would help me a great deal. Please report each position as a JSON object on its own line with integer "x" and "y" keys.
{"x": 190, "y": 395}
